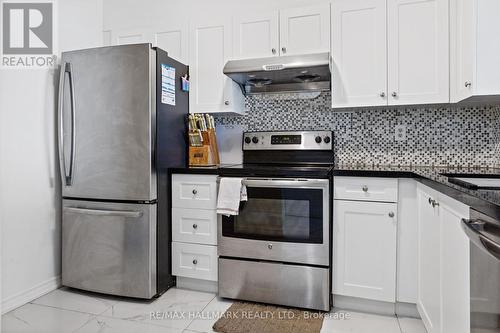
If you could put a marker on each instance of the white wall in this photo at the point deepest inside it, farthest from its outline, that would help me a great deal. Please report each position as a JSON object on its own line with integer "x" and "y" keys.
{"x": 29, "y": 177}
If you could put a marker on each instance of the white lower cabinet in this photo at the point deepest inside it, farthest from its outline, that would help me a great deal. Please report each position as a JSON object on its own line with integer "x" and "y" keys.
{"x": 365, "y": 250}
{"x": 194, "y": 261}
{"x": 443, "y": 263}
{"x": 194, "y": 226}
{"x": 429, "y": 262}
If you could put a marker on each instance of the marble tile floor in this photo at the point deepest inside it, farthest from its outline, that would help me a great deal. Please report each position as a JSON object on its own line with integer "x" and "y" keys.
{"x": 177, "y": 311}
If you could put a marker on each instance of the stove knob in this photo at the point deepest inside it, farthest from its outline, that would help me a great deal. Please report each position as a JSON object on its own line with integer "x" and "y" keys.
{"x": 326, "y": 139}
{"x": 317, "y": 139}
{"x": 255, "y": 139}
{"x": 248, "y": 140}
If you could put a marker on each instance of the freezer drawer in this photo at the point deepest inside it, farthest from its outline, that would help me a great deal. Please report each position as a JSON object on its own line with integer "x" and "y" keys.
{"x": 275, "y": 283}
{"x": 109, "y": 247}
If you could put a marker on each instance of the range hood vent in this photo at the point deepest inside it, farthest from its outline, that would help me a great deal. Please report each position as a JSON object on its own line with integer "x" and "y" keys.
{"x": 301, "y": 73}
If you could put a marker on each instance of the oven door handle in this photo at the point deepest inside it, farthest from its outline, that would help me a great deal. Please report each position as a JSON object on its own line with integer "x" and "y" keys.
{"x": 273, "y": 182}
{"x": 473, "y": 230}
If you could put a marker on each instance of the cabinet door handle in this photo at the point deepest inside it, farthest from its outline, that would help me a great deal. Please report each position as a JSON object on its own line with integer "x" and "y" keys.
{"x": 195, "y": 261}
{"x": 468, "y": 84}
{"x": 382, "y": 94}
{"x": 273, "y": 50}
{"x": 195, "y": 191}
{"x": 430, "y": 201}
{"x": 394, "y": 94}
{"x": 195, "y": 226}
{"x": 226, "y": 102}
{"x": 435, "y": 203}
{"x": 283, "y": 49}
{"x": 391, "y": 214}
{"x": 365, "y": 188}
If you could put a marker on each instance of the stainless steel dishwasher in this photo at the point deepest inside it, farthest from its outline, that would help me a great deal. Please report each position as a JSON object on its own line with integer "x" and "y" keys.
{"x": 484, "y": 234}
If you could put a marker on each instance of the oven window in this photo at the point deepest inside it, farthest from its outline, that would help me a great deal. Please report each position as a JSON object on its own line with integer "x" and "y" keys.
{"x": 278, "y": 214}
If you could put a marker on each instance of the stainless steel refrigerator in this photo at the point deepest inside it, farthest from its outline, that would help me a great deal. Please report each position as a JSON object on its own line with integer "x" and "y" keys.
{"x": 121, "y": 126}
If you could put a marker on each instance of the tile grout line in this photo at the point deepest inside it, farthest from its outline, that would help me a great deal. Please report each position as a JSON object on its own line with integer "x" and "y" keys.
{"x": 84, "y": 324}
{"x": 58, "y": 308}
{"x": 187, "y": 327}
{"x": 399, "y": 324}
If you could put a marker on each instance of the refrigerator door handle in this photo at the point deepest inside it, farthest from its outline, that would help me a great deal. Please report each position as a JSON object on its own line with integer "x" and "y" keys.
{"x": 67, "y": 178}
{"x": 100, "y": 212}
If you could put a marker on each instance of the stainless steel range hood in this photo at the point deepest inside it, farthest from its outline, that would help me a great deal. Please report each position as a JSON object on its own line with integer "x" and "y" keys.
{"x": 298, "y": 73}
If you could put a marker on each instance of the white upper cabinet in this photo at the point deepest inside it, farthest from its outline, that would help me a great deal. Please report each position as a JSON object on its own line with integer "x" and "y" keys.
{"x": 418, "y": 45}
{"x": 475, "y": 54}
{"x": 390, "y": 52}
{"x": 210, "y": 47}
{"x": 106, "y": 38}
{"x": 462, "y": 48}
{"x": 305, "y": 30}
{"x": 130, "y": 36}
{"x": 171, "y": 38}
{"x": 256, "y": 35}
{"x": 174, "y": 40}
{"x": 365, "y": 249}
{"x": 359, "y": 52}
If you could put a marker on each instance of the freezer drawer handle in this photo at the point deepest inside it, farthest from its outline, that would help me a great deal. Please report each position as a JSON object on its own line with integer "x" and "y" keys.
{"x": 123, "y": 213}
{"x": 67, "y": 176}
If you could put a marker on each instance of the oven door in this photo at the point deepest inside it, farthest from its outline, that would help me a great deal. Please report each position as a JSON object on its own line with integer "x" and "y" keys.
{"x": 284, "y": 220}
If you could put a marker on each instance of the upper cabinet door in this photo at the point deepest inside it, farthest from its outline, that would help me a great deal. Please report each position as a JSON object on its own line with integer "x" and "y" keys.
{"x": 256, "y": 35}
{"x": 418, "y": 45}
{"x": 305, "y": 30}
{"x": 174, "y": 40}
{"x": 359, "y": 51}
{"x": 210, "y": 48}
{"x": 130, "y": 36}
{"x": 462, "y": 49}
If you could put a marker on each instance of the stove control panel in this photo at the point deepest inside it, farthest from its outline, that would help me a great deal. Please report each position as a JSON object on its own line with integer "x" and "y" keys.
{"x": 288, "y": 140}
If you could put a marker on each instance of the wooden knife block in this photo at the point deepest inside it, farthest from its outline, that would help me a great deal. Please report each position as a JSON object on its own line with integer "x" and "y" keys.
{"x": 206, "y": 155}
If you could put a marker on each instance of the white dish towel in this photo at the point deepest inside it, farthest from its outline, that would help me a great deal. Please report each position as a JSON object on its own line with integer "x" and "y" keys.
{"x": 231, "y": 192}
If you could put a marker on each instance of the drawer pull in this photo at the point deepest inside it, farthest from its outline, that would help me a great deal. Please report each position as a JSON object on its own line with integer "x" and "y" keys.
{"x": 365, "y": 188}
{"x": 195, "y": 261}
{"x": 270, "y": 246}
{"x": 391, "y": 214}
{"x": 195, "y": 226}
{"x": 195, "y": 191}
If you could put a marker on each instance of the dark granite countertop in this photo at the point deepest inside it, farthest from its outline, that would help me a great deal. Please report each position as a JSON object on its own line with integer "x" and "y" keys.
{"x": 484, "y": 201}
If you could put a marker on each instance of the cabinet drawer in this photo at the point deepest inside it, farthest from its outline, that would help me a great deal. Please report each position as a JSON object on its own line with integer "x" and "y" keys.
{"x": 366, "y": 189}
{"x": 194, "y": 191}
{"x": 194, "y": 261}
{"x": 194, "y": 226}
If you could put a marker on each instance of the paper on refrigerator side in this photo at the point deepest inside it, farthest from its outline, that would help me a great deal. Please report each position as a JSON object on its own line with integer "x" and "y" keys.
{"x": 167, "y": 84}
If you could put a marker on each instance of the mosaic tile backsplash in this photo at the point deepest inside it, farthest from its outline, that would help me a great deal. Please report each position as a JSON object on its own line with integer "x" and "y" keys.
{"x": 436, "y": 136}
